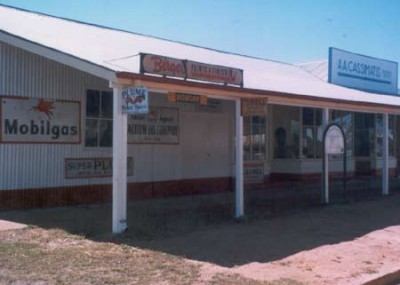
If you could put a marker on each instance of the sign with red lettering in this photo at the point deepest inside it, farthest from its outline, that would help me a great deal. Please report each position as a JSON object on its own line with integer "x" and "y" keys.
{"x": 32, "y": 120}
{"x": 186, "y": 69}
{"x": 162, "y": 65}
{"x": 214, "y": 73}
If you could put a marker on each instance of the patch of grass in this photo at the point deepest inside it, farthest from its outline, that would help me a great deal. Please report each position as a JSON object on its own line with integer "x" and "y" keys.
{"x": 54, "y": 257}
{"x": 37, "y": 256}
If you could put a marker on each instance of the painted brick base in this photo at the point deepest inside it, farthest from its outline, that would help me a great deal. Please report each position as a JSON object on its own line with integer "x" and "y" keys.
{"x": 101, "y": 194}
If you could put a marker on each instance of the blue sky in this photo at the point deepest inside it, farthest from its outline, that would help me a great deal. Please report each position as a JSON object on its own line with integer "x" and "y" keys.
{"x": 291, "y": 31}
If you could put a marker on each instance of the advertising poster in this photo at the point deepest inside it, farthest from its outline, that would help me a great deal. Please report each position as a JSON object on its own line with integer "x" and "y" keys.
{"x": 29, "y": 120}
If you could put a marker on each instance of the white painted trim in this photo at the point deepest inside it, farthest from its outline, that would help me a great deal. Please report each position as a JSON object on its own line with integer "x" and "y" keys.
{"x": 58, "y": 56}
{"x": 239, "y": 161}
{"x": 120, "y": 146}
{"x": 325, "y": 122}
{"x": 385, "y": 155}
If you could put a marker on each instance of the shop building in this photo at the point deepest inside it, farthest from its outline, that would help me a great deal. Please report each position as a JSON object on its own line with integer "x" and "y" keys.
{"x": 64, "y": 139}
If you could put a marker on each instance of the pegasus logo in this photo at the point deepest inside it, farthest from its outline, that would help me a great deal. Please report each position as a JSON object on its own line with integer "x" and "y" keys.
{"x": 44, "y": 107}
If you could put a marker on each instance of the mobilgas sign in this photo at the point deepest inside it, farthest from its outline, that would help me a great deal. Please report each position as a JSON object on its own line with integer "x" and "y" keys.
{"x": 28, "y": 120}
{"x": 362, "y": 72}
{"x": 186, "y": 69}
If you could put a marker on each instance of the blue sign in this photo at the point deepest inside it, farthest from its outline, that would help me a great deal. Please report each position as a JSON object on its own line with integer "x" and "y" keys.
{"x": 362, "y": 72}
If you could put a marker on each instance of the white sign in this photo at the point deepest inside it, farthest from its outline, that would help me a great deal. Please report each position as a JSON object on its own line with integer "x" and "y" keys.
{"x": 135, "y": 100}
{"x": 362, "y": 72}
{"x": 160, "y": 125}
{"x": 334, "y": 141}
{"x": 28, "y": 120}
{"x": 93, "y": 167}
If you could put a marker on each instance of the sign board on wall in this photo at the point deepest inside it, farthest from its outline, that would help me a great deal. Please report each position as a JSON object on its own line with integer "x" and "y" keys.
{"x": 253, "y": 172}
{"x": 135, "y": 100}
{"x": 29, "y": 120}
{"x": 187, "y": 98}
{"x": 93, "y": 167}
{"x": 186, "y": 69}
{"x": 254, "y": 107}
{"x": 362, "y": 72}
{"x": 160, "y": 125}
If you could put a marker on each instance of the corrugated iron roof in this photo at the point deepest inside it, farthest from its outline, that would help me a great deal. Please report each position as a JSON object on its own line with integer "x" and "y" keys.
{"x": 118, "y": 51}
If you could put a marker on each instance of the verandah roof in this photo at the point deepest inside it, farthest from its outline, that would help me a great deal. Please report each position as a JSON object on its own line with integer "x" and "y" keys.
{"x": 116, "y": 51}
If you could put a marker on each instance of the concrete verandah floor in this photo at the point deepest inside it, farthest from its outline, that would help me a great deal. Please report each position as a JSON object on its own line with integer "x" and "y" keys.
{"x": 164, "y": 217}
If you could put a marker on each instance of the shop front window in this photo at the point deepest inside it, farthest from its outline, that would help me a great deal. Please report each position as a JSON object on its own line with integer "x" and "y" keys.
{"x": 254, "y": 137}
{"x": 379, "y": 135}
{"x": 364, "y": 134}
{"x": 98, "y": 124}
{"x": 312, "y": 133}
{"x": 285, "y": 131}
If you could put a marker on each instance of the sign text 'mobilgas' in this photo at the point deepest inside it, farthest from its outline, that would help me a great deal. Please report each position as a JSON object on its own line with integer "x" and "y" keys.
{"x": 42, "y": 128}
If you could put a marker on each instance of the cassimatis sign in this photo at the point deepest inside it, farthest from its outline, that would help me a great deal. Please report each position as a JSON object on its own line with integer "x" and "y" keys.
{"x": 362, "y": 72}
{"x": 29, "y": 120}
{"x": 186, "y": 69}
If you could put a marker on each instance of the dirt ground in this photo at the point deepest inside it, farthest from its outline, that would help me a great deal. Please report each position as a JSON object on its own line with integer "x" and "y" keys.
{"x": 344, "y": 243}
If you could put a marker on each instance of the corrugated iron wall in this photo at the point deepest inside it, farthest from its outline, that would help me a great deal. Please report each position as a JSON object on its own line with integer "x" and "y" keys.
{"x": 205, "y": 148}
{"x": 28, "y": 75}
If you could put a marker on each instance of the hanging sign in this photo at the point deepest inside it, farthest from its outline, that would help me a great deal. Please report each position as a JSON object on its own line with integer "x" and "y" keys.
{"x": 187, "y": 98}
{"x": 254, "y": 107}
{"x": 135, "y": 100}
{"x": 334, "y": 141}
{"x": 32, "y": 120}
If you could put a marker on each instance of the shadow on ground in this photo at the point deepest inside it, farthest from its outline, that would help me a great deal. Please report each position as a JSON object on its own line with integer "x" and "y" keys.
{"x": 280, "y": 223}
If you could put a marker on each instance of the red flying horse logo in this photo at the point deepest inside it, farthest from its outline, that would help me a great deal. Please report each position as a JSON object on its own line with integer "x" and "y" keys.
{"x": 138, "y": 99}
{"x": 45, "y": 107}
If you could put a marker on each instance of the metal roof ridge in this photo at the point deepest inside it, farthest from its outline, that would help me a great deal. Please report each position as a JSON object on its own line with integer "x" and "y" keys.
{"x": 143, "y": 35}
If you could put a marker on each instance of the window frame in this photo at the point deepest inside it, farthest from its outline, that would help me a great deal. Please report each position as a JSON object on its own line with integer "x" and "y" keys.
{"x": 102, "y": 117}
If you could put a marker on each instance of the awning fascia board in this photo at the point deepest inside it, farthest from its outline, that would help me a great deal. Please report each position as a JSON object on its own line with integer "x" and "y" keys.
{"x": 233, "y": 93}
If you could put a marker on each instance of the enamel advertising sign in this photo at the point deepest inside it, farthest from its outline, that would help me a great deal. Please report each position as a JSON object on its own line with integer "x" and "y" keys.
{"x": 160, "y": 126}
{"x": 135, "y": 100}
{"x": 93, "y": 167}
{"x": 186, "y": 69}
{"x": 29, "y": 120}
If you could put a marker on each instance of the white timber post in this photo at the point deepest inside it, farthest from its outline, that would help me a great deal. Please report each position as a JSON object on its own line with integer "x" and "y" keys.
{"x": 385, "y": 155}
{"x": 239, "y": 161}
{"x": 325, "y": 122}
{"x": 120, "y": 136}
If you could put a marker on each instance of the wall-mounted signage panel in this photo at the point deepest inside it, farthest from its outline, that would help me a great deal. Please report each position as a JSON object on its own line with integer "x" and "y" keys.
{"x": 186, "y": 69}
{"x": 93, "y": 167}
{"x": 253, "y": 172}
{"x": 362, "y": 72}
{"x": 160, "y": 125}
{"x": 29, "y": 120}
